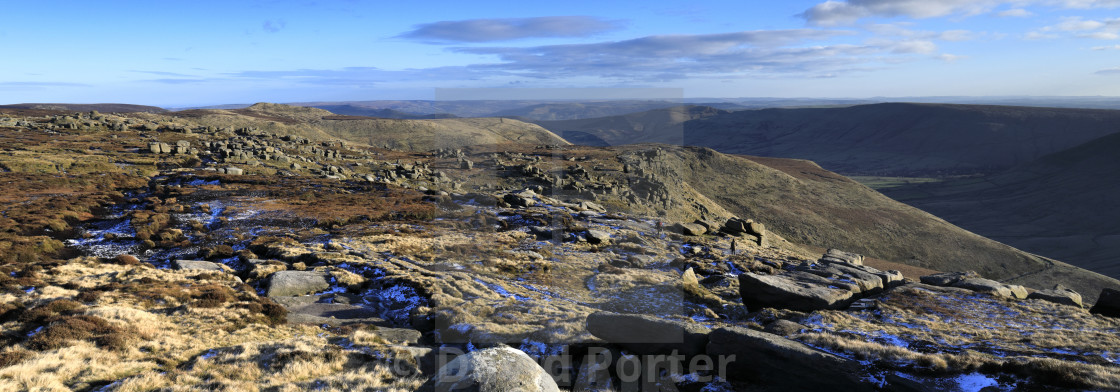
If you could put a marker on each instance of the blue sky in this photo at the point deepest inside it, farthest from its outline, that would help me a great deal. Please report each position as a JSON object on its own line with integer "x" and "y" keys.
{"x": 209, "y": 52}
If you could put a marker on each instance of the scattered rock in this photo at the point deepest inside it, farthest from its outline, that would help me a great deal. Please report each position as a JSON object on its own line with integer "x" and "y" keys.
{"x": 781, "y": 363}
{"x": 293, "y": 283}
{"x": 791, "y": 290}
{"x": 643, "y": 334}
{"x": 1060, "y": 295}
{"x": 499, "y": 369}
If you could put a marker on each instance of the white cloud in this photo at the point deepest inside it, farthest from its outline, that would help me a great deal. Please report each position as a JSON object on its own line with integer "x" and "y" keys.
{"x": 505, "y": 29}
{"x": 834, "y": 13}
{"x": 843, "y": 12}
{"x": 1109, "y": 71}
{"x": 1111, "y": 47}
{"x": 1015, "y": 13}
{"x": 1105, "y": 29}
{"x": 950, "y": 57}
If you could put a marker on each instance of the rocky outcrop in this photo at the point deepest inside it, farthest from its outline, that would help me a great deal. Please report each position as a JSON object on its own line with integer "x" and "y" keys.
{"x": 293, "y": 283}
{"x": 499, "y": 369}
{"x": 782, "y": 364}
{"x": 972, "y": 281}
{"x": 1059, "y": 295}
{"x": 831, "y": 283}
{"x": 643, "y": 334}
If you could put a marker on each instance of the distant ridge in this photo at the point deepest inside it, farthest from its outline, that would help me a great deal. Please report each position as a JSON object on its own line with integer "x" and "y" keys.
{"x": 352, "y": 110}
{"x": 85, "y": 107}
{"x": 904, "y": 139}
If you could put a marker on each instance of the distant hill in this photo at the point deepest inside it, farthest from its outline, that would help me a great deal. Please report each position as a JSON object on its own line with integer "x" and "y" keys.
{"x": 878, "y": 139}
{"x": 655, "y": 126}
{"x": 351, "y": 110}
{"x": 585, "y": 110}
{"x": 86, "y": 107}
{"x": 413, "y": 135}
{"x": 1062, "y": 205}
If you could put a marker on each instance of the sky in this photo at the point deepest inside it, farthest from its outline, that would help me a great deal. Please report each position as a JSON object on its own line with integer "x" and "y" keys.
{"x": 178, "y": 54}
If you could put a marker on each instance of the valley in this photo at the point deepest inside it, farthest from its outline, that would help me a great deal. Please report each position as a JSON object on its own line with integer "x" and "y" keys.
{"x": 284, "y": 247}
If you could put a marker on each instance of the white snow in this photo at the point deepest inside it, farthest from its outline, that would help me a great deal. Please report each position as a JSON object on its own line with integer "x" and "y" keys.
{"x": 974, "y": 382}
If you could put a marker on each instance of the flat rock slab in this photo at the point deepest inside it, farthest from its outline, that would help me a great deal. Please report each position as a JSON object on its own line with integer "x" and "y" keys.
{"x": 948, "y": 278}
{"x": 334, "y": 315}
{"x": 293, "y": 283}
{"x": 643, "y": 334}
{"x": 782, "y": 363}
{"x": 200, "y": 265}
{"x": 800, "y": 291}
{"x": 982, "y": 285}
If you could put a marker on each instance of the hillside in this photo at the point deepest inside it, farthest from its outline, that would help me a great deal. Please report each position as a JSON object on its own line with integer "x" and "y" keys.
{"x": 881, "y": 139}
{"x": 1059, "y": 205}
{"x": 808, "y": 205}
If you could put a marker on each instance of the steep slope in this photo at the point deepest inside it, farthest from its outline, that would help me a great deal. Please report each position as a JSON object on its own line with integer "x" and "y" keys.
{"x": 414, "y": 135}
{"x": 885, "y": 139}
{"x": 1060, "y": 206}
{"x": 809, "y": 205}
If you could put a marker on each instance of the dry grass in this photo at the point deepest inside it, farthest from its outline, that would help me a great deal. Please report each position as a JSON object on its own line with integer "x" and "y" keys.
{"x": 949, "y": 332}
{"x": 295, "y": 364}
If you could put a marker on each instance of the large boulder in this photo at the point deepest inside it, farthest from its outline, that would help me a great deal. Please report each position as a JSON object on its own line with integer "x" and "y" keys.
{"x": 690, "y": 228}
{"x": 836, "y": 255}
{"x": 499, "y": 369}
{"x": 782, "y": 364}
{"x": 1060, "y": 295}
{"x": 795, "y": 290}
{"x": 1108, "y": 304}
{"x": 647, "y": 335}
{"x": 293, "y": 283}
